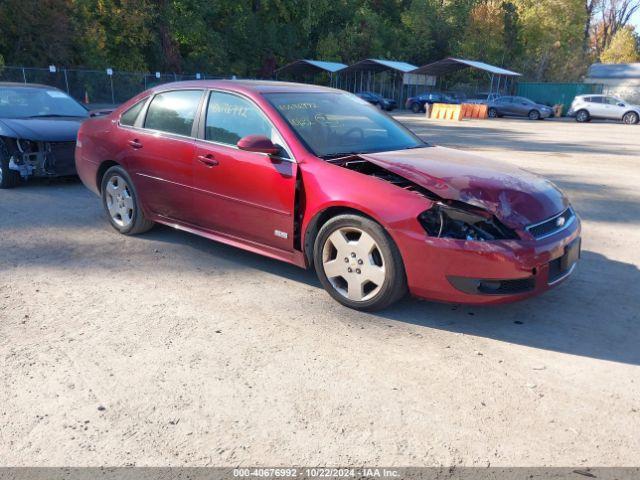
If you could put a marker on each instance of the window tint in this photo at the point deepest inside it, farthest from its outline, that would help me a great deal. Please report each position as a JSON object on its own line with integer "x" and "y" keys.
{"x": 173, "y": 112}
{"x": 504, "y": 100}
{"x": 596, "y": 99}
{"x": 230, "y": 117}
{"x": 130, "y": 116}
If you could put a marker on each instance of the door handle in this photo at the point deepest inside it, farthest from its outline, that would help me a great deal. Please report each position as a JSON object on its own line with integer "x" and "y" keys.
{"x": 207, "y": 160}
{"x": 135, "y": 143}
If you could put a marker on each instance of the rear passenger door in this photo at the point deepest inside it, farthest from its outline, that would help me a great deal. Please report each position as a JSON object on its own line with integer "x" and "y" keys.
{"x": 596, "y": 107}
{"x": 161, "y": 151}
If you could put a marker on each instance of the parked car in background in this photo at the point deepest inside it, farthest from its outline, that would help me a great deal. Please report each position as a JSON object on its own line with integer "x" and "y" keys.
{"x": 315, "y": 177}
{"x": 586, "y": 107}
{"x": 38, "y": 127}
{"x": 416, "y": 104}
{"x": 379, "y": 101}
{"x": 518, "y": 107}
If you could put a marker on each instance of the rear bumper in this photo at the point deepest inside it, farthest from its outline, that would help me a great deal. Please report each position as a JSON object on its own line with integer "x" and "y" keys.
{"x": 467, "y": 272}
{"x": 87, "y": 170}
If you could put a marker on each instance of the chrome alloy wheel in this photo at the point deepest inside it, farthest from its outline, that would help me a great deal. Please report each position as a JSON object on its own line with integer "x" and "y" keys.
{"x": 353, "y": 263}
{"x": 119, "y": 201}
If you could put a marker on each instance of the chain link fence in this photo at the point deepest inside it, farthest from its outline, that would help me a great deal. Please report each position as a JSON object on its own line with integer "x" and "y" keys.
{"x": 95, "y": 87}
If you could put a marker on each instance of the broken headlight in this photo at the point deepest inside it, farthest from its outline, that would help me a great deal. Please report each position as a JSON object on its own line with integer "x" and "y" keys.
{"x": 445, "y": 221}
{"x": 26, "y": 146}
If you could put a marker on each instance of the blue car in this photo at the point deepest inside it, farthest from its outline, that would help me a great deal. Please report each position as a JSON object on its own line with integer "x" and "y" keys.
{"x": 38, "y": 128}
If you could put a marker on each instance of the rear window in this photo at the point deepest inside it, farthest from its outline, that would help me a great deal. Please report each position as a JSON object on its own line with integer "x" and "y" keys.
{"x": 130, "y": 116}
{"x": 173, "y": 112}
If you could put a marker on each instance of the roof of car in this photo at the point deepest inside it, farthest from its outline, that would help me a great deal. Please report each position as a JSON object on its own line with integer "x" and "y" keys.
{"x": 27, "y": 85}
{"x": 259, "y": 86}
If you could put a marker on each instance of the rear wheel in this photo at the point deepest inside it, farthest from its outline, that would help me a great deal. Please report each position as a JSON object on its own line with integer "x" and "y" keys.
{"x": 358, "y": 263}
{"x": 582, "y": 116}
{"x": 120, "y": 201}
{"x": 492, "y": 112}
{"x": 534, "y": 115}
{"x": 8, "y": 178}
{"x": 630, "y": 118}
{"x": 415, "y": 107}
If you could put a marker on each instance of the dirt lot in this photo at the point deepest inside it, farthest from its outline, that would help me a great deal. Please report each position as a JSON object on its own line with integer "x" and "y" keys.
{"x": 167, "y": 349}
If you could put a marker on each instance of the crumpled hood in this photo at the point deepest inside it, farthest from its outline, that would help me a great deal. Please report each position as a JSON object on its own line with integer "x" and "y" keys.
{"x": 52, "y": 129}
{"x": 515, "y": 196}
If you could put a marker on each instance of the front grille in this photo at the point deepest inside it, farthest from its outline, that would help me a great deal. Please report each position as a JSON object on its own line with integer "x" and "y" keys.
{"x": 60, "y": 158}
{"x": 552, "y": 225}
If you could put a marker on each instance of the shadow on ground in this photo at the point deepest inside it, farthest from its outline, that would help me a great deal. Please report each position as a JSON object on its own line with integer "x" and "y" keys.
{"x": 594, "y": 314}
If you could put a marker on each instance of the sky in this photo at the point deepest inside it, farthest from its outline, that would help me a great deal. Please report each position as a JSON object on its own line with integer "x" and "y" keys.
{"x": 635, "y": 20}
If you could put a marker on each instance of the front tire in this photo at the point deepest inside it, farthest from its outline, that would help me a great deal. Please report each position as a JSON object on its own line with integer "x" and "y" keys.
{"x": 630, "y": 118}
{"x": 120, "y": 201}
{"x": 415, "y": 107}
{"x": 8, "y": 178}
{"x": 492, "y": 113}
{"x": 358, "y": 263}
{"x": 534, "y": 115}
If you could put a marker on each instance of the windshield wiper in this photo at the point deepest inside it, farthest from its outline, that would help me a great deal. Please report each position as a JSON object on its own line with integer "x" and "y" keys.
{"x": 53, "y": 115}
{"x": 330, "y": 156}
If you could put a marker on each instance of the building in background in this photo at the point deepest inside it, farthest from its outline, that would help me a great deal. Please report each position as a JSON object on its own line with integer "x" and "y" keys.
{"x": 617, "y": 79}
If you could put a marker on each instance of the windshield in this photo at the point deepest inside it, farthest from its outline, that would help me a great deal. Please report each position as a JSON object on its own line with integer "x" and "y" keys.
{"x": 26, "y": 102}
{"x": 334, "y": 124}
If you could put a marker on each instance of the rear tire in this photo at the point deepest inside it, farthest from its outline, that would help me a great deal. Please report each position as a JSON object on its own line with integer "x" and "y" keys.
{"x": 358, "y": 263}
{"x": 582, "y": 116}
{"x": 8, "y": 178}
{"x": 415, "y": 107}
{"x": 492, "y": 113}
{"x": 534, "y": 115}
{"x": 120, "y": 202}
{"x": 630, "y": 118}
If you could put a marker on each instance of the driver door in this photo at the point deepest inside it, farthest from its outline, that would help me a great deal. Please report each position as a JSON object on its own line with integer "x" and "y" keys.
{"x": 243, "y": 194}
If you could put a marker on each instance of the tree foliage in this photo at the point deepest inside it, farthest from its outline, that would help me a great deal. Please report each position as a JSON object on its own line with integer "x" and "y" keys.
{"x": 545, "y": 39}
{"x": 622, "y": 49}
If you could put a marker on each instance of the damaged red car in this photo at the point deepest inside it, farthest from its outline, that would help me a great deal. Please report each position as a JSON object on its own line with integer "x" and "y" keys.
{"x": 319, "y": 178}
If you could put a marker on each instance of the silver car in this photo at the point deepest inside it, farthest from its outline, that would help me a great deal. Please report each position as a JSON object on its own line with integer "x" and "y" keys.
{"x": 586, "y": 107}
{"x": 518, "y": 107}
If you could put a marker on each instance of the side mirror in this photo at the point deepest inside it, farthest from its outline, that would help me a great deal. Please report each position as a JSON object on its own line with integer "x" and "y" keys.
{"x": 258, "y": 144}
{"x": 621, "y": 104}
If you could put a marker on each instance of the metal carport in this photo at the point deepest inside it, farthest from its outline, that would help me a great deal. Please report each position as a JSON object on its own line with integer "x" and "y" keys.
{"x": 385, "y": 77}
{"x": 304, "y": 68}
{"x": 452, "y": 65}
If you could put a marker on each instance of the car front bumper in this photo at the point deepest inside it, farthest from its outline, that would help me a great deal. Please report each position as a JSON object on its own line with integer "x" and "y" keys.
{"x": 472, "y": 272}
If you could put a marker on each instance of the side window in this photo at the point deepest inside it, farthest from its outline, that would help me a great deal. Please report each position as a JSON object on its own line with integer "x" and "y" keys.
{"x": 130, "y": 116}
{"x": 613, "y": 101}
{"x": 173, "y": 112}
{"x": 596, "y": 99}
{"x": 230, "y": 117}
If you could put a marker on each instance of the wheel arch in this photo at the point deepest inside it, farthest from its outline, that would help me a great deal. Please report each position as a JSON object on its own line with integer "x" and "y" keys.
{"x": 102, "y": 169}
{"x": 323, "y": 216}
{"x": 632, "y": 111}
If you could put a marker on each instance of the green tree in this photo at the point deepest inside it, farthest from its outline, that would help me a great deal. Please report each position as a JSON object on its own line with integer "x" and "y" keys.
{"x": 623, "y": 48}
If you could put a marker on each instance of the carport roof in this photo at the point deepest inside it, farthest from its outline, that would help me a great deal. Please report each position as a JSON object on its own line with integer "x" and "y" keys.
{"x": 378, "y": 65}
{"x": 450, "y": 65}
{"x": 614, "y": 70}
{"x": 305, "y": 65}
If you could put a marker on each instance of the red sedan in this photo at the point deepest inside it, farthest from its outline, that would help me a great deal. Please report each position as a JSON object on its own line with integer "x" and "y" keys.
{"x": 318, "y": 177}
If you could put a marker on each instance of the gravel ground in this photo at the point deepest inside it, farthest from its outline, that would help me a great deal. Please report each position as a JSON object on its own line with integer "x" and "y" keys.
{"x": 168, "y": 349}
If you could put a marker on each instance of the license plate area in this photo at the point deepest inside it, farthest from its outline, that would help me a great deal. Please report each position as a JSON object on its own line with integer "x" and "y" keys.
{"x": 562, "y": 266}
